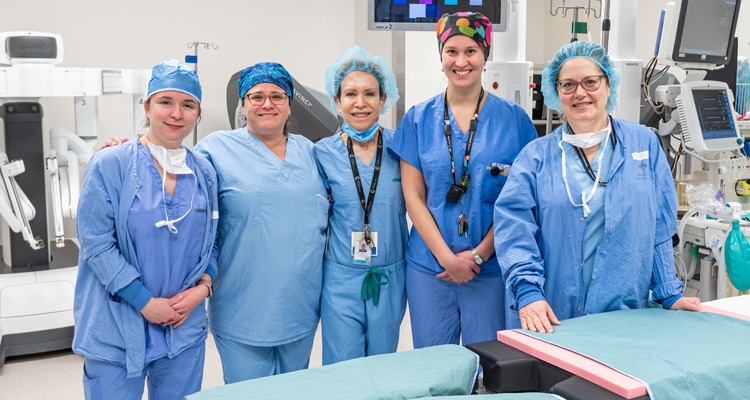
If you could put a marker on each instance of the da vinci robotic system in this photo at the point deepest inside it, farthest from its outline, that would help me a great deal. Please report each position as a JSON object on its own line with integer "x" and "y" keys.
{"x": 39, "y": 189}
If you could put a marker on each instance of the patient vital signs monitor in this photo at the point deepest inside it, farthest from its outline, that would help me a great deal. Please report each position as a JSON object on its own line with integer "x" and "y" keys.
{"x": 706, "y": 115}
{"x": 699, "y": 32}
{"x": 421, "y": 15}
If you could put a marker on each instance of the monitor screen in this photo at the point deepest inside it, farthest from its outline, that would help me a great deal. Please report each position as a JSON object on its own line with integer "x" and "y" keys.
{"x": 714, "y": 113}
{"x": 705, "y": 29}
{"x": 422, "y": 15}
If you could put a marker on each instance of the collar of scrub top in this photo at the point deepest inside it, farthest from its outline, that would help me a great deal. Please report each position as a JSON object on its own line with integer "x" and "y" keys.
{"x": 448, "y": 130}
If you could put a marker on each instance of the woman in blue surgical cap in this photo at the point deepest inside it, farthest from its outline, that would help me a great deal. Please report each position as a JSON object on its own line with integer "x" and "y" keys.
{"x": 592, "y": 206}
{"x": 454, "y": 149}
{"x": 146, "y": 223}
{"x": 364, "y": 299}
{"x": 271, "y": 236}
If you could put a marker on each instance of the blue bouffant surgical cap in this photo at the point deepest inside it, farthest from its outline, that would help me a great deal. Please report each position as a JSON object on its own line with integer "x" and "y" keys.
{"x": 358, "y": 59}
{"x": 588, "y": 50}
{"x": 266, "y": 72}
{"x": 171, "y": 75}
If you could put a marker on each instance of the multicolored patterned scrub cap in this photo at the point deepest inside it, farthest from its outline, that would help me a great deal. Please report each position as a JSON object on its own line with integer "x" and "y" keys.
{"x": 266, "y": 72}
{"x": 171, "y": 75}
{"x": 469, "y": 23}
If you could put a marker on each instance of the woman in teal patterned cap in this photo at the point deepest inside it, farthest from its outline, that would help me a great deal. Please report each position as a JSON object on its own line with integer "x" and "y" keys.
{"x": 266, "y": 302}
{"x": 453, "y": 148}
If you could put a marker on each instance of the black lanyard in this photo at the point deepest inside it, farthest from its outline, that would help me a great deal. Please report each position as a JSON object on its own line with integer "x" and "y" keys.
{"x": 448, "y": 133}
{"x": 366, "y": 205}
{"x": 585, "y": 161}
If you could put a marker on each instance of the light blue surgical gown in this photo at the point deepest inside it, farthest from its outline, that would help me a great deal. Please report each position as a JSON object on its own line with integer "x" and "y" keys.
{"x": 271, "y": 239}
{"x": 120, "y": 202}
{"x": 353, "y": 327}
{"x": 543, "y": 258}
{"x": 503, "y": 129}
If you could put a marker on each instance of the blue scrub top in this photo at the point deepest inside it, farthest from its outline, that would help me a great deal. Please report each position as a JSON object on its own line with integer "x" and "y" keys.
{"x": 503, "y": 129}
{"x": 546, "y": 250}
{"x": 166, "y": 259}
{"x": 595, "y": 221}
{"x": 271, "y": 239}
{"x": 388, "y": 214}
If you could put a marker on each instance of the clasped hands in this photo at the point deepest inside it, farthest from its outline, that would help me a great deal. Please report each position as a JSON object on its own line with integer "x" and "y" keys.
{"x": 175, "y": 310}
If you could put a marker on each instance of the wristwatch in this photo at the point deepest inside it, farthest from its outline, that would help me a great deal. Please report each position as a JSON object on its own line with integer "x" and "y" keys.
{"x": 207, "y": 283}
{"x": 477, "y": 258}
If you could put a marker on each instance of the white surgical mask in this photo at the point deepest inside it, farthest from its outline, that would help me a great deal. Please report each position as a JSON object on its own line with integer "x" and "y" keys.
{"x": 174, "y": 162}
{"x": 586, "y": 140}
{"x": 584, "y": 198}
{"x": 171, "y": 160}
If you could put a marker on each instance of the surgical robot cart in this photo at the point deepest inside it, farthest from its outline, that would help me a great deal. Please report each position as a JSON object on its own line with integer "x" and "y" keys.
{"x": 40, "y": 173}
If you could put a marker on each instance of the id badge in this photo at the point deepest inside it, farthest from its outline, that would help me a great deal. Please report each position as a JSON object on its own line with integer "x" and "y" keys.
{"x": 361, "y": 251}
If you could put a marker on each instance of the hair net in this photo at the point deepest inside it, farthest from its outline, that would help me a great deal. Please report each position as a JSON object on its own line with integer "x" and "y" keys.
{"x": 266, "y": 72}
{"x": 171, "y": 75}
{"x": 588, "y": 50}
{"x": 472, "y": 24}
{"x": 358, "y": 59}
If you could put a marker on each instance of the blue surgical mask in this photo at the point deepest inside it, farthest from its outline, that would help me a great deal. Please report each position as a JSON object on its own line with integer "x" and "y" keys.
{"x": 360, "y": 136}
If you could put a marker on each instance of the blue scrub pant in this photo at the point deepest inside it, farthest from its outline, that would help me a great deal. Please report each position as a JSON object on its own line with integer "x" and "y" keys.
{"x": 167, "y": 378}
{"x": 353, "y": 327}
{"x": 241, "y": 361}
{"x": 441, "y": 311}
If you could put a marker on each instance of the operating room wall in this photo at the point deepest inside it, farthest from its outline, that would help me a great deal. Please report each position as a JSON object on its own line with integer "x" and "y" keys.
{"x": 304, "y": 36}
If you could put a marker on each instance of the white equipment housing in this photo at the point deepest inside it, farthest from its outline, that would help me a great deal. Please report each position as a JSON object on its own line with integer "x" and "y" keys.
{"x": 36, "y": 293}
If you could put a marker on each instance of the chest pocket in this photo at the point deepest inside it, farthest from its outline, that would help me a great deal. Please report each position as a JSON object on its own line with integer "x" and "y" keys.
{"x": 490, "y": 186}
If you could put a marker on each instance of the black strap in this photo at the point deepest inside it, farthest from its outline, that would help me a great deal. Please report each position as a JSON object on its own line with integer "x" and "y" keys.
{"x": 585, "y": 161}
{"x": 449, "y": 131}
{"x": 366, "y": 205}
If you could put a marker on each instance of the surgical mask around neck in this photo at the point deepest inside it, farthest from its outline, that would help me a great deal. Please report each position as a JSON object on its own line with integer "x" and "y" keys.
{"x": 171, "y": 160}
{"x": 360, "y": 136}
{"x": 586, "y": 140}
{"x": 584, "y": 198}
{"x": 174, "y": 162}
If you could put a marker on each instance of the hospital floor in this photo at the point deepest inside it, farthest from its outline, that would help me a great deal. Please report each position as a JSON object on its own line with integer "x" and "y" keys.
{"x": 57, "y": 375}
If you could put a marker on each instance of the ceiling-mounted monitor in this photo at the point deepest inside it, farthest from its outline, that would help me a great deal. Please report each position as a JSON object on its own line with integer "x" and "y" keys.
{"x": 422, "y": 15}
{"x": 699, "y": 33}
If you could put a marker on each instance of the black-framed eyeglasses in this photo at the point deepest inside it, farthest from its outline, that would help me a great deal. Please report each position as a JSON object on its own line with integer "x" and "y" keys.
{"x": 257, "y": 99}
{"x": 589, "y": 84}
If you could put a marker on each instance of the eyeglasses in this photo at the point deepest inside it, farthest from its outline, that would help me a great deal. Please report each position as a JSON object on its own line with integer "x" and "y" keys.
{"x": 257, "y": 99}
{"x": 589, "y": 84}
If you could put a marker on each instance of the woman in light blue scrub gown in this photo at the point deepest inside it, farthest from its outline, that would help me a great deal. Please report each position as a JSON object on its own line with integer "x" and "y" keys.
{"x": 146, "y": 223}
{"x": 364, "y": 299}
{"x": 592, "y": 206}
{"x": 453, "y": 282}
{"x": 271, "y": 236}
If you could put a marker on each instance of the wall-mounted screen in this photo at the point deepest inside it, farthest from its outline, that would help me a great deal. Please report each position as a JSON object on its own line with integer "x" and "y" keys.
{"x": 421, "y": 15}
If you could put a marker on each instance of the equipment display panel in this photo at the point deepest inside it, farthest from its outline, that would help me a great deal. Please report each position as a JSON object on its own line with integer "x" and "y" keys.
{"x": 421, "y": 15}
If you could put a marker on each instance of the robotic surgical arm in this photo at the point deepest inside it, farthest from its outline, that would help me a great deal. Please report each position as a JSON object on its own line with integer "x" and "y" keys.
{"x": 68, "y": 150}
{"x": 15, "y": 207}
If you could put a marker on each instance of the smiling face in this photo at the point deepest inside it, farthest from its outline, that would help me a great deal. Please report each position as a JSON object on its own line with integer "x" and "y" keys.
{"x": 585, "y": 111}
{"x": 266, "y": 119}
{"x": 172, "y": 116}
{"x": 359, "y": 100}
{"x": 463, "y": 61}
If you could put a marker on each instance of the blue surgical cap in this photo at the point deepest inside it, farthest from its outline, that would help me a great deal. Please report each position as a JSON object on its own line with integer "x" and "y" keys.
{"x": 588, "y": 50}
{"x": 171, "y": 75}
{"x": 266, "y": 72}
{"x": 358, "y": 59}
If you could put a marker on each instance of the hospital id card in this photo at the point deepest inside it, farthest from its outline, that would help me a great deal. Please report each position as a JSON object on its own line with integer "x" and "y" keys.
{"x": 361, "y": 251}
